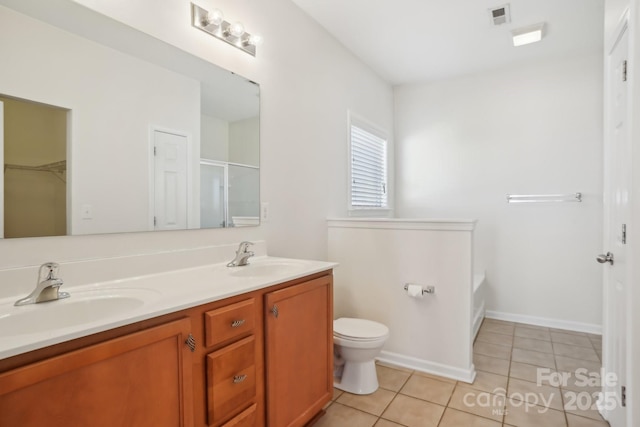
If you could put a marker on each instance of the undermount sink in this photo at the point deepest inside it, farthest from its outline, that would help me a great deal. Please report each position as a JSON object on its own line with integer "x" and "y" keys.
{"x": 81, "y": 308}
{"x": 266, "y": 269}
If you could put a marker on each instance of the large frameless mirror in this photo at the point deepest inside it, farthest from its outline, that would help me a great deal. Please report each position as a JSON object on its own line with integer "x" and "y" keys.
{"x": 108, "y": 130}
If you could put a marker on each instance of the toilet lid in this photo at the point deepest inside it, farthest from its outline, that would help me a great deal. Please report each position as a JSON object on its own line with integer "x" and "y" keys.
{"x": 359, "y": 329}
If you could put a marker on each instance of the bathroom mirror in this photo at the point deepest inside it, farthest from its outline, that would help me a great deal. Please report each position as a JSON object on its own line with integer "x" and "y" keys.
{"x": 108, "y": 130}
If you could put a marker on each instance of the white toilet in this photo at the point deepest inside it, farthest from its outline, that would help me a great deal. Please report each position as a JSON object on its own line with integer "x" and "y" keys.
{"x": 357, "y": 342}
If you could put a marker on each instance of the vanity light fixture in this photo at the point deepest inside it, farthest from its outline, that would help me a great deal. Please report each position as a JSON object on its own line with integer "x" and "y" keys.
{"x": 527, "y": 35}
{"x": 213, "y": 23}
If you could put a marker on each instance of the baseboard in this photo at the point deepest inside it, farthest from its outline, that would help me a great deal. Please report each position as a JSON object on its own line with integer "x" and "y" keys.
{"x": 545, "y": 321}
{"x": 465, "y": 375}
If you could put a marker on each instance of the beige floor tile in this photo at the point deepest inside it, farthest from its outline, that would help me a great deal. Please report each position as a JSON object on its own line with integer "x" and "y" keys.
{"x": 582, "y": 404}
{"x": 536, "y": 358}
{"x": 575, "y": 352}
{"x": 336, "y": 393}
{"x": 338, "y": 415}
{"x": 571, "y": 339}
{"x": 526, "y": 325}
{"x": 412, "y": 412}
{"x": 488, "y": 321}
{"x": 491, "y": 364}
{"x": 596, "y": 343}
{"x": 455, "y": 418}
{"x": 586, "y": 413}
{"x": 533, "y": 344}
{"x": 576, "y": 421}
{"x": 568, "y": 331}
{"x": 571, "y": 365}
{"x": 532, "y": 373}
{"x": 541, "y": 395}
{"x": 386, "y": 423}
{"x": 396, "y": 367}
{"x": 524, "y": 415}
{"x": 434, "y": 377}
{"x": 493, "y": 338}
{"x": 478, "y": 402}
{"x": 536, "y": 334}
{"x": 428, "y": 389}
{"x": 391, "y": 378}
{"x": 493, "y": 350}
{"x": 374, "y": 403}
{"x": 492, "y": 383}
{"x": 497, "y": 328}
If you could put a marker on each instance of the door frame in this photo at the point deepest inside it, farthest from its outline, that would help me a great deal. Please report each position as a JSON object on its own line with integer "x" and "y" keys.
{"x": 2, "y": 163}
{"x": 191, "y": 208}
{"x": 624, "y": 25}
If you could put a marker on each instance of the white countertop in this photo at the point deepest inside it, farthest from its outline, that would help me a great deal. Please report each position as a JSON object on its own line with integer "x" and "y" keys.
{"x": 143, "y": 297}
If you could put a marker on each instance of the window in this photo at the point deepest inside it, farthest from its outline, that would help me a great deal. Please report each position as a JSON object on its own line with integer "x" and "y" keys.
{"x": 368, "y": 166}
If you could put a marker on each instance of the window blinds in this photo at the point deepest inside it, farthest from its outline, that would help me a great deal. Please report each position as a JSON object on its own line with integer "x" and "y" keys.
{"x": 368, "y": 169}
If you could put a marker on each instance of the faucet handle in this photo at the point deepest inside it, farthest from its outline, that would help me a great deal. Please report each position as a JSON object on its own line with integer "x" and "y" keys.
{"x": 244, "y": 246}
{"x": 51, "y": 269}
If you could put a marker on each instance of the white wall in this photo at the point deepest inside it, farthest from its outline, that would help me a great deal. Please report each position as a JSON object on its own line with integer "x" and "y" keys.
{"x": 113, "y": 99}
{"x": 244, "y": 141}
{"x": 378, "y": 257}
{"x": 214, "y": 138}
{"x": 308, "y": 82}
{"x": 464, "y": 143}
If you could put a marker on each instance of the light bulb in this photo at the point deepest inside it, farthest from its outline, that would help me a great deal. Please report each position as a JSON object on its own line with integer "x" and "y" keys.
{"x": 256, "y": 40}
{"x": 236, "y": 29}
{"x": 215, "y": 17}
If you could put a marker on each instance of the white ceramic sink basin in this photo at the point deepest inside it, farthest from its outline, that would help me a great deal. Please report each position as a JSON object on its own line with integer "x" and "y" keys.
{"x": 279, "y": 268}
{"x": 81, "y": 308}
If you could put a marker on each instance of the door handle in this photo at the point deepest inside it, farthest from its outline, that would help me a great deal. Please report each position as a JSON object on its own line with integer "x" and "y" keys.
{"x": 608, "y": 257}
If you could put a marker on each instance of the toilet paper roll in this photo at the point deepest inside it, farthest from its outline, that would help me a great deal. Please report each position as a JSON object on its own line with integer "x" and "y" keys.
{"x": 414, "y": 291}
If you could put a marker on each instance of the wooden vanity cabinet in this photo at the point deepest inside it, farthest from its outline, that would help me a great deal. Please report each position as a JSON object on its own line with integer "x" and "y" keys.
{"x": 231, "y": 370}
{"x": 143, "y": 379}
{"x": 145, "y": 374}
{"x": 299, "y": 352}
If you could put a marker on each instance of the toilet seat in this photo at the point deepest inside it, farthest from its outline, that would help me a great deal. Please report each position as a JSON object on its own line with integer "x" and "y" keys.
{"x": 361, "y": 330}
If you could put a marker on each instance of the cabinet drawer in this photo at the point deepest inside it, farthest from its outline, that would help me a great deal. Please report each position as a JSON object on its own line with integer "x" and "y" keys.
{"x": 246, "y": 418}
{"x": 231, "y": 379}
{"x": 229, "y": 322}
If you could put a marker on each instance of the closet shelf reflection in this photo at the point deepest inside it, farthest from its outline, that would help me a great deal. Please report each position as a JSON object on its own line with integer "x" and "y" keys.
{"x": 56, "y": 168}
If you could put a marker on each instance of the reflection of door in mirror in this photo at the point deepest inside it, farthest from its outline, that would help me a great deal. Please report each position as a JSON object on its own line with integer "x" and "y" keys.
{"x": 213, "y": 194}
{"x": 170, "y": 185}
{"x": 35, "y": 169}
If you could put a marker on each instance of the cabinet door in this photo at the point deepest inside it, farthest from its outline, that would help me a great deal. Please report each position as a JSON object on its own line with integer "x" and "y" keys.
{"x": 143, "y": 379}
{"x": 299, "y": 352}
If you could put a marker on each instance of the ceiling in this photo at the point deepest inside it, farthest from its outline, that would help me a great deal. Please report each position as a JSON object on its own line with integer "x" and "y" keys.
{"x": 410, "y": 41}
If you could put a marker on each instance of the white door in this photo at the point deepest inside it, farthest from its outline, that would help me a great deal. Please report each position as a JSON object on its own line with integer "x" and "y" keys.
{"x": 170, "y": 181}
{"x": 617, "y": 191}
{"x": 2, "y": 163}
{"x": 213, "y": 195}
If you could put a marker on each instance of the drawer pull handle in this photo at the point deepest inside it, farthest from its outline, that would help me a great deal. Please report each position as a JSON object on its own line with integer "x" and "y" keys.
{"x": 237, "y": 323}
{"x": 274, "y": 310}
{"x": 239, "y": 378}
{"x": 191, "y": 343}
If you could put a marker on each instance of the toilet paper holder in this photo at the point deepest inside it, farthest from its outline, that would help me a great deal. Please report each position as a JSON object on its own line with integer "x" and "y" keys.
{"x": 425, "y": 290}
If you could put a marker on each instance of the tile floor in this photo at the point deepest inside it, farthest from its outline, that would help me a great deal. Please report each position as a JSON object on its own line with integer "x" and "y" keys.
{"x": 508, "y": 357}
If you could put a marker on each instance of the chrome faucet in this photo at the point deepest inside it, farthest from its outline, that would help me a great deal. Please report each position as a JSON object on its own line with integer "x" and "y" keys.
{"x": 47, "y": 289}
{"x": 242, "y": 255}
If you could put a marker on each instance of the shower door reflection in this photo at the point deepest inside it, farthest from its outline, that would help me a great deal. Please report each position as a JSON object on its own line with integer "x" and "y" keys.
{"x": 229, "y": 195}
{"x": 213, "y": 194}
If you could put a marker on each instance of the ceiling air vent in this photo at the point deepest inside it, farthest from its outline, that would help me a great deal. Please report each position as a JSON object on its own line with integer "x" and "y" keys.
{"x": 500, "y": 15}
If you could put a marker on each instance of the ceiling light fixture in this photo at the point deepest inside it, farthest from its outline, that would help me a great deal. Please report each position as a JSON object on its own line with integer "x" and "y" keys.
{"x": 213, "y": 23}
{"x": 527, "y": 35}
